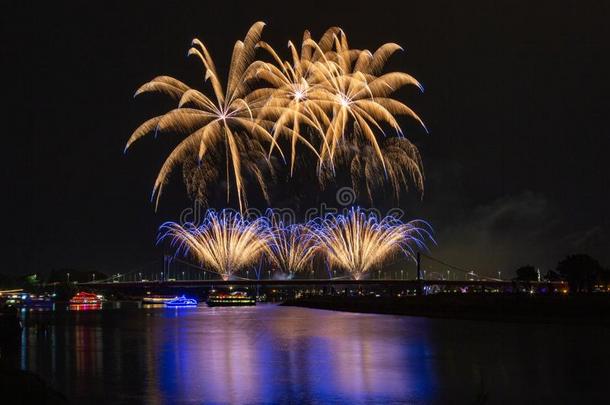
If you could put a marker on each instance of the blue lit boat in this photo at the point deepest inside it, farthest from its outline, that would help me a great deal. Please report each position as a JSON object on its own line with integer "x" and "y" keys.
{"x": 181, "y": 302}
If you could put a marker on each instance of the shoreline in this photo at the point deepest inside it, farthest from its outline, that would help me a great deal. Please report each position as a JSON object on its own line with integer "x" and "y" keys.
{"x": 592, "y": 309}
{"x": 27, "y": 387}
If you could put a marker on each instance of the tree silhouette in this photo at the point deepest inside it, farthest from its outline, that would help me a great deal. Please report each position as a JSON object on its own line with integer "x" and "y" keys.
{"x": 580, "y": 271}
{"x": 527, "y": 273}
{"x": 552, "y": 275}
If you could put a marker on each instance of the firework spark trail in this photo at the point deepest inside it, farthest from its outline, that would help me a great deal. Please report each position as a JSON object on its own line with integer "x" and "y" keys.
{"x": 336, "y": 91}
{"x": 210, "y": 123}
{"x": 225, "y": 241}
{"x": 291, "y": 247}
{"x": 325, "y": 95}
{"x": 198, "y": 176}
{"x": 357, "y": 242}
{"x": 352, "y": 93}
{"x": 293, "y": 87}
{"x": 403, "y": 166}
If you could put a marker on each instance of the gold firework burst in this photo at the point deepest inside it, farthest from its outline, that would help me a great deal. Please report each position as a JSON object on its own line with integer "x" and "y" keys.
{"x": 224, "y": 242}
{"x": 357, "y": 242}
{"x": 322, "y": 97}
{"x": 293, "y": 92}
{"x": 355, "y": 95}
{"x": 291, "y": 247}
{"x": 210, "y": 123}
{"x": 200, "y": 175}
{"x": 403, "y": 165}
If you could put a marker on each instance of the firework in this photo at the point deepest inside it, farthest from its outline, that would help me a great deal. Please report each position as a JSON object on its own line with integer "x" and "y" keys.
{"x": 355, "y": 95}
{"x": 220, "y": 121}
{"x": 256, "y": 166}
{"x": 325, "y": 96}
{"x": 225, "y": 242}
{"x": 333, "y": 91}
{"x": 291, "y": 247}
{"x": 293, "y": 92}
{"x": 358, "y": 242}
{"x": 403, "y": 166}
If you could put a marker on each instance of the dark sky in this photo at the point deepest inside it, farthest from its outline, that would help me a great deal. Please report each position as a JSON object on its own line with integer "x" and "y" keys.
{"x": 516, "y": 102}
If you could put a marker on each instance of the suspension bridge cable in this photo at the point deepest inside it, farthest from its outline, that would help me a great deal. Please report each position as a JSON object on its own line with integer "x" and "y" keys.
{"x": 115, "y": 276}
{"x": 470, "y": 272}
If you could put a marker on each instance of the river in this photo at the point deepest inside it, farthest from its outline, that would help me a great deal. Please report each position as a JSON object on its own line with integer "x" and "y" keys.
{"x": 271, "y": 354}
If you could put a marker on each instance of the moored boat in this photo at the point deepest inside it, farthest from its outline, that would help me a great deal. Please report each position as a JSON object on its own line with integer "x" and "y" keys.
{"x": 181, "y": 302}
{"x": 157, "y": 299}
{"x": 85, "y": 298}
{"x": 39, "y": 302}
{"x": 237, "y": 298}
{"x": 27, "y": 300}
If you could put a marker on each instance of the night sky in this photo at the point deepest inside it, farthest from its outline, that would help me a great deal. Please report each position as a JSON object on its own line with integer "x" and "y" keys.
{"x": 516, "y": 98}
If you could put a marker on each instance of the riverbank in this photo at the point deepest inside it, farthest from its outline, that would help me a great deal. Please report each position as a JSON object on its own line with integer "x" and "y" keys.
{"x": 23, "y": 387}
{"x": 18, "y": 386}
{"x": 587, "y": 309}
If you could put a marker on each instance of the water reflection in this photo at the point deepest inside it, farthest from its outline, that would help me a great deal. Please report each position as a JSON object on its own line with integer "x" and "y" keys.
{"x": 84, "y": 307}
{"x": 269, "y": 354}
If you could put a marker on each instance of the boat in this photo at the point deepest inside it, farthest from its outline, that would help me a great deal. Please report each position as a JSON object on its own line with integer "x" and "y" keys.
{"x": 181, "y": 302}
{"x": 237, "y": 298}
{"x": 157, "y": 299}
{"x": 39, "y": 302}
{"x": 85, "y": 298}
{"x": 15, "y": 300}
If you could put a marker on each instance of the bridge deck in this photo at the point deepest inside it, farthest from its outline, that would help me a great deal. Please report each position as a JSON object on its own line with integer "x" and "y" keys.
{"x": 323, "y": 282}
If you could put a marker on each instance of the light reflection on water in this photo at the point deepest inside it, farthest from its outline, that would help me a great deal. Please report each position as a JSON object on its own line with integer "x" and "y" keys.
{"x": 270, "y": 354}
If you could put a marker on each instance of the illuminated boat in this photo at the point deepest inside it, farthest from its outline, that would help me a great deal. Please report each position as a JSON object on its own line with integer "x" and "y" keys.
{"x": 39, "y": 302}
{"x": 237, "y": 298}
{"x": 85, "y": 298}
{"x": 181, "y": 302}
{"x": 157, "y": 299}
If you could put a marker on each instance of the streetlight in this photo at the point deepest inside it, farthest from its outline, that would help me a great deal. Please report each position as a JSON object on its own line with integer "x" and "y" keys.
{"x": 500, "y": 275}
{"x": 68, "y": 274}
{"x": 183, "y": 275}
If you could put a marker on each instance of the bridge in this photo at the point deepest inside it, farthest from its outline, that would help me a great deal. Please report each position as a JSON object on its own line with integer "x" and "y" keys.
{"x": 408, "y": 284}
{"x": 179, "y": 274}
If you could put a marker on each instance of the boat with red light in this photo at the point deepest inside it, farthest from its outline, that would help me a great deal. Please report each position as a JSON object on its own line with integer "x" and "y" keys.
{"x": 85, "y": 298}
